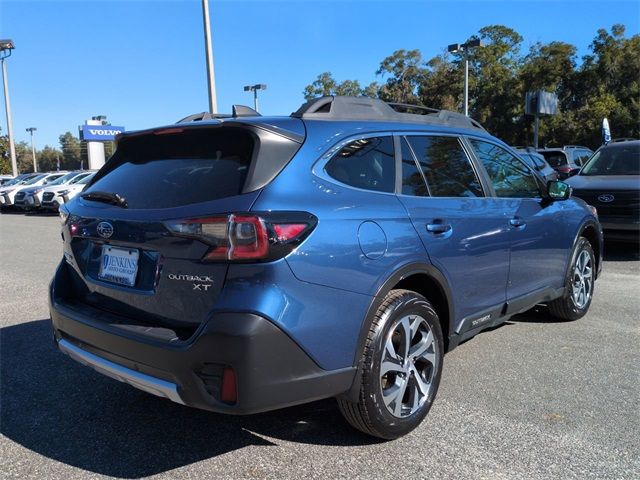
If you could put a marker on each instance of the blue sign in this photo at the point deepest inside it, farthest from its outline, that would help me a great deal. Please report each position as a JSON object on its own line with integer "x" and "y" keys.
{"x": 99, "y": 133}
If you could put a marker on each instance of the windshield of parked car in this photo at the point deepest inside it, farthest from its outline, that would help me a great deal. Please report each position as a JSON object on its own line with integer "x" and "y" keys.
{"x": 13, "y": 181}
{"x": 555, "y": 159}
{"x": 618, "y": 160}
{"x": 86, "y": 179}
{"x": 63, "y": 179}
{"x": 80, "y": 177}
{"x": 33, "y": 180}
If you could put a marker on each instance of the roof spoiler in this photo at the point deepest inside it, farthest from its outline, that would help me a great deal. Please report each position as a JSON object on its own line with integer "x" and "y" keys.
{"x": 236, "y": 111}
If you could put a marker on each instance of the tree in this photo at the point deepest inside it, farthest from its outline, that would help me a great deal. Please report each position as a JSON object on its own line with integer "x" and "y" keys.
{"x": 325, "y": 85}
{"x": 48, "y": 159}
{"x": 405, "y": 72}
{"x": 24, "y": 157}
{"x": 72, "y": 154}
{"x": 606, "y": 84}
{"x": 495, "y": 90}
{"x": 442, "y": 85}
{"x": 5, "y": 155}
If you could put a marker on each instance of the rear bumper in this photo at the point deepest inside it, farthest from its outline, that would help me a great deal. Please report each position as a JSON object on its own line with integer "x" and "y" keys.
{"x": 272, "y": 371}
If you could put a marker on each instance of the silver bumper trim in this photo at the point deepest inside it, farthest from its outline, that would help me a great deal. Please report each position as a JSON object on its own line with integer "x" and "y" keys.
{"x": 144, "y": 382}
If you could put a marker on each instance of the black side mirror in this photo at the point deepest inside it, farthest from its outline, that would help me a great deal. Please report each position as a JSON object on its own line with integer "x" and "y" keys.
{"x": 558, "y": 190}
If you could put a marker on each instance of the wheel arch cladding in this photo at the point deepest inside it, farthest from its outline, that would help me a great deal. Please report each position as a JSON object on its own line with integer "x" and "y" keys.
{"x": 430, "y": 288}
{"x": 590, "y": 233}
{"x": 420, "y": 278}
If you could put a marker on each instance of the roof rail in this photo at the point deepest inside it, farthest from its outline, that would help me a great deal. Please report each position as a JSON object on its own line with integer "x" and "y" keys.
{"x": 237, "y": 111}
{"x": 624, "y": 139}
{"x": 364, "y": 108}
{"x": 575, "y": 146}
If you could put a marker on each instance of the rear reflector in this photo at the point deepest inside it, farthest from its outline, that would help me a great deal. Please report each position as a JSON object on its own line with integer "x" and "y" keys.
{"x": 229, "y": 393}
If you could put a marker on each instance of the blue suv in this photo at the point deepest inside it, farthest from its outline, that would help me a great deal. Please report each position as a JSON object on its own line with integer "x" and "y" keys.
{"x": 242, "y": 263}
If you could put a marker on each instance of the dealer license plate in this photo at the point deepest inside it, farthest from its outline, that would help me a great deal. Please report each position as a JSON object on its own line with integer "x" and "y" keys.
{"x": 119, "y": 265}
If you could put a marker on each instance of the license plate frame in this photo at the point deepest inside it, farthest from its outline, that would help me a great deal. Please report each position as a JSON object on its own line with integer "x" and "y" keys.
{"x": 119, "y": 265}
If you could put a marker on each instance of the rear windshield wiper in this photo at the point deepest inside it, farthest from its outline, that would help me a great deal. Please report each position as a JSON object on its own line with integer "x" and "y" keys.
{"x": 106, "y": 197}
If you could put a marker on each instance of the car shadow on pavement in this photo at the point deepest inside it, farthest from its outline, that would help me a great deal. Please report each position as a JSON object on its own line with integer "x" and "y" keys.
{"x": 538, "y": 314}
{"x": 71, "y": 414}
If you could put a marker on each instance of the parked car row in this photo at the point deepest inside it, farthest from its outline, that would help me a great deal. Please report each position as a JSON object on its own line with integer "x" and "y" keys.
{"x": 564, "y": 161}
{"x": 608, "y": 180}
{"x": 43, "y": 190}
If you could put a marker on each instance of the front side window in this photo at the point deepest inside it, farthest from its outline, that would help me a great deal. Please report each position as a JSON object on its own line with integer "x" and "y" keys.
{"x": 509, "y": 175}
{"x": 367, "y": 163}
{"x": 445, "y": 166}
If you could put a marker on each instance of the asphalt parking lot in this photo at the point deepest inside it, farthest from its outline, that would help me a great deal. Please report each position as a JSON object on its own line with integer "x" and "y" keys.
{"x": 532, "y": 399}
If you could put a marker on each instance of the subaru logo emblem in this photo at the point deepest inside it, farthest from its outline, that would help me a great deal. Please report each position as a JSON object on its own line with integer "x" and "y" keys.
{"x": 606, "y": 198}
{"x": 105, "y": 229}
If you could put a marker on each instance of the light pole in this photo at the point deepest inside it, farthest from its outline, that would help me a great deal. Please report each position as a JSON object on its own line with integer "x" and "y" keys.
{"x": 463, "y": 48}
{"x": 33, "y": 150}
{"x": 6, "y": 46}
{"x": 254, "y": 89}
{"x": 211, "y": 77}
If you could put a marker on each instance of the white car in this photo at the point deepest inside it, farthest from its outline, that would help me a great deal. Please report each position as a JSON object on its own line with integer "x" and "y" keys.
{"x": 4, "y": 179}
{"x": 33, "y": 196}
{"x": 20, "y": 194}
{"x": 9, "y": 190}
{"x": 52, "y": 199}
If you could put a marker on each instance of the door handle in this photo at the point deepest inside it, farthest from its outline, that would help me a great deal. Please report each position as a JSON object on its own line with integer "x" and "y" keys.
{"x": 517, "y": 222}
{"x": 438, "y": 227}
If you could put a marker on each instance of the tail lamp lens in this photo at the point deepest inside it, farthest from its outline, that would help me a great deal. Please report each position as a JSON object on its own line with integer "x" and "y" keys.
{"x": 238, "y": 237}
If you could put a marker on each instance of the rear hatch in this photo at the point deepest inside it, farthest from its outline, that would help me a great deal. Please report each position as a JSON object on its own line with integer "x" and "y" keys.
{"x": 130, "y": 237}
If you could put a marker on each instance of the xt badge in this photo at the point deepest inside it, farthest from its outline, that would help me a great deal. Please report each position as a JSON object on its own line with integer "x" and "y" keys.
{"x": 201, "y": 286}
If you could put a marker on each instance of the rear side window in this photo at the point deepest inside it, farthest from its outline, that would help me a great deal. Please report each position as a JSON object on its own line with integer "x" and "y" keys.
{"x": 367, "y": 163}
{"x": 446, "y": 167}
{"x": 170, "y": 170}
{"x": 412, "y": 181}
{"x": 509, "y": 175}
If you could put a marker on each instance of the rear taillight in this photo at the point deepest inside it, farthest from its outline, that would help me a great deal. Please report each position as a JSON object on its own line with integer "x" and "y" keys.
{"x": 246, "y": 236}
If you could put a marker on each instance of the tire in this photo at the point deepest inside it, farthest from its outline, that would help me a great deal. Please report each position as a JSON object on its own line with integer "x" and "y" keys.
{"x": 579, "y": 284}
{"x": 394, "y": 401}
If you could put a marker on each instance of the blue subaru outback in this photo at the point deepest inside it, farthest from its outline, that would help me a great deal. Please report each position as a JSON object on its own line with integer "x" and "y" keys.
{"x": 243, "y": 263}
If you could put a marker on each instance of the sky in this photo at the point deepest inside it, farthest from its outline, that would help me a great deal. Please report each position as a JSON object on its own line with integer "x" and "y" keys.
{"x": 141, "y": 63}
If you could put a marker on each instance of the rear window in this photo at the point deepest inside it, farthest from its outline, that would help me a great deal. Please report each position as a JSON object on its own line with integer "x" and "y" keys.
{"x": 175, "y": 169}
{"x": 555, "y": 159}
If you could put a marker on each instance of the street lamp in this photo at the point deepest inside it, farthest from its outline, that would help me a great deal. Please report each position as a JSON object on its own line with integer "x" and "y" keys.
{"x": 254, "y": 89}
{"x": 33, "y": 150}
{"x": 6, "y": 46}
{"x": 463, "y": 48}
{"x": 211, "y": 77}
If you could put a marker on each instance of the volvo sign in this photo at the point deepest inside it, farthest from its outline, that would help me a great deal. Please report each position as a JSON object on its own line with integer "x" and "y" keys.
{"x": 99, "y": 133}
